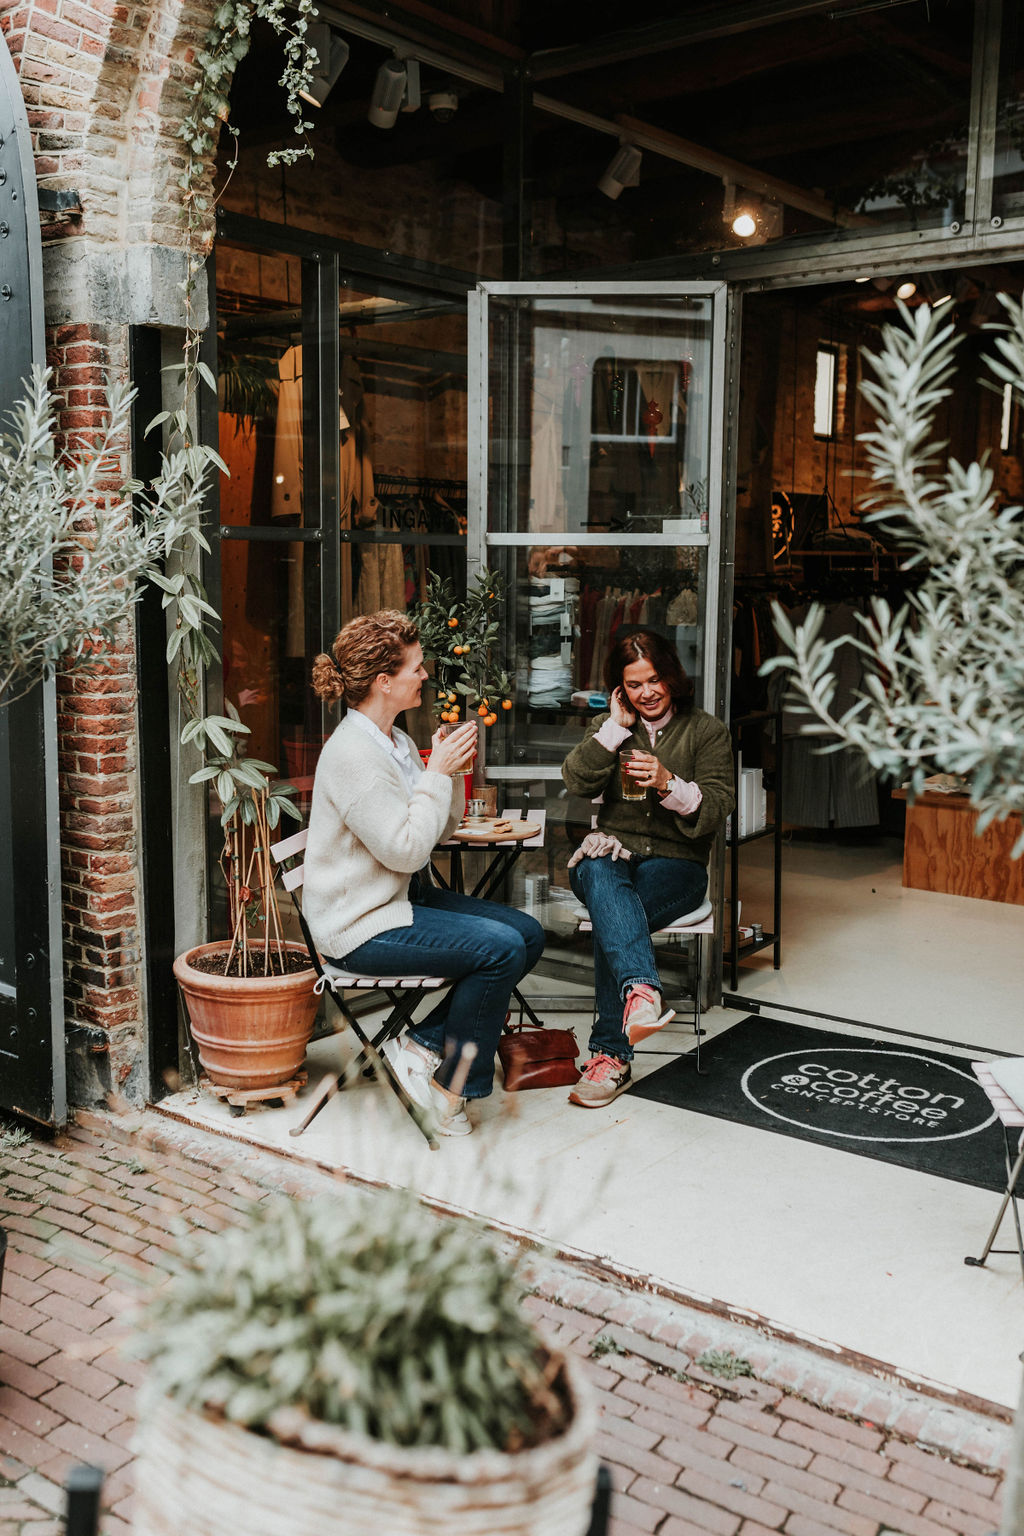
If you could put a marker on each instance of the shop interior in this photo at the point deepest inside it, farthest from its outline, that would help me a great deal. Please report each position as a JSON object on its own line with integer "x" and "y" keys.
{"x": 802, "y": 498}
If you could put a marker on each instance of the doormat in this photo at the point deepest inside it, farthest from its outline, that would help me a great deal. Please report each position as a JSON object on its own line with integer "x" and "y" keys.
{"x": 903, "y": 1104}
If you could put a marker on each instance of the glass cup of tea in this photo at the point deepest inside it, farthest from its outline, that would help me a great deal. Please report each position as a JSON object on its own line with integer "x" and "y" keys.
{"x": 631, "y": 790}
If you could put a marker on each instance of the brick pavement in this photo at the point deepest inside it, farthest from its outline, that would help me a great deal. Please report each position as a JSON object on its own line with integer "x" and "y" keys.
{"x": 805, "y": 1447}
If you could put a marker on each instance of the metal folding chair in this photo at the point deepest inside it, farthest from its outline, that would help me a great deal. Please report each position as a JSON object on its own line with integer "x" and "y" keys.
{"x": 696, "y": 925}
{"x": 1011, "y": 1118}
{"x": 402, "y": 993}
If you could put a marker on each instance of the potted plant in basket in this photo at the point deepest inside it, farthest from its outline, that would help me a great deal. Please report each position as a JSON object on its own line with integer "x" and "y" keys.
{"x": 354, "y": 1364}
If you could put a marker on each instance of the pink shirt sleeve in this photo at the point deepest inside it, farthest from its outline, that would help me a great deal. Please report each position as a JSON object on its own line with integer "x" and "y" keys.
{"x": 611, "y": 736}
{"x": 683, "y": 797}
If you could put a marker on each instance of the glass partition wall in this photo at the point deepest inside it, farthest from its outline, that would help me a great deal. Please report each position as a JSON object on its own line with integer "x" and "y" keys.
{"x": 596, "y": 462}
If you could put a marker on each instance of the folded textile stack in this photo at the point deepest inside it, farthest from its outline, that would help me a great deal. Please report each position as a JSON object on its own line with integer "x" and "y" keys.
{"x": 549, "y": 677}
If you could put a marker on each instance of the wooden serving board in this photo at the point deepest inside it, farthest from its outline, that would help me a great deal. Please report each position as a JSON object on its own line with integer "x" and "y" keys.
{"x": 482, "y": 830}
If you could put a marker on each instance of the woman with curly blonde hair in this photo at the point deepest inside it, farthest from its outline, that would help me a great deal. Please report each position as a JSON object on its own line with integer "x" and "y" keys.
{"x": 369, "y": 899}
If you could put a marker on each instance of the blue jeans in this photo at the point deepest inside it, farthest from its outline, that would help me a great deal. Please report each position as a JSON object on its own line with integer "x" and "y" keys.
{"x": 627, "y": 899}
{"x": 488, "y": 948}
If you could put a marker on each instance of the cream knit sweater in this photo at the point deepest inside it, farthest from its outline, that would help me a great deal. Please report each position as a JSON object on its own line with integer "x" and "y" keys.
{"x": 367, "y": 835}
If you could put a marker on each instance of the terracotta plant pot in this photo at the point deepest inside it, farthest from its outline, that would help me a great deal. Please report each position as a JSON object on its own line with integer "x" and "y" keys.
{"x": 205, "y": 1476}
{"x": 250, "y": 1031}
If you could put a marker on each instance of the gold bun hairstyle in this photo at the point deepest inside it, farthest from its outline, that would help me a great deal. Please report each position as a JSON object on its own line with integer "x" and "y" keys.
{"x": 367, "y": 646}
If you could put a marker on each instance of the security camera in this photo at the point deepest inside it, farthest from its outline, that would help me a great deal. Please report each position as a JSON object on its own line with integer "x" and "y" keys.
{"x": 443, "y": 104}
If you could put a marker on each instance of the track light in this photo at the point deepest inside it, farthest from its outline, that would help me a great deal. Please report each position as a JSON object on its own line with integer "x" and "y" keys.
{"x": 622, "y": 170}
{"x": 332, "y": 54}
{"x": 936, "y": 288}
{"x": 388, "y": 91}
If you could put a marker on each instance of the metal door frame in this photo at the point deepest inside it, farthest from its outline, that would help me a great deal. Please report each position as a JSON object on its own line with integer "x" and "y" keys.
{"x": 719, "y": 540}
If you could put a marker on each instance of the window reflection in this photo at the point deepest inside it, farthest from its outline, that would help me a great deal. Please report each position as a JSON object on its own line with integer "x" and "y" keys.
{"x": 617, "y": 397}
{"x": 570, "y": 605}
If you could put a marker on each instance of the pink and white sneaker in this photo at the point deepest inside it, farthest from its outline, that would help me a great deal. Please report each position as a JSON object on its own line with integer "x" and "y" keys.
{"x": 603, "y": 1079}
{"x": 643, "y": 1014}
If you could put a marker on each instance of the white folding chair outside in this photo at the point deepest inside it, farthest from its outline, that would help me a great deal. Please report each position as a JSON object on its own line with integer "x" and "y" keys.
{"x": 402, "y": 992}
{"x": 1011, "y": 1118}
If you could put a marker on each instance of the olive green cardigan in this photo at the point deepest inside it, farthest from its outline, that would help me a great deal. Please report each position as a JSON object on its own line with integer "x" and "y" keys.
{"x": 694, "y": 746}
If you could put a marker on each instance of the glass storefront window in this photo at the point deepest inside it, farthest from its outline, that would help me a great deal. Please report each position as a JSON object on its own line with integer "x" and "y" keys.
{"x": 840, "y": 122}
{"x": 293, "y": 570}
{"x": 426, "y": 188}
{"x": 1008, "y": 167}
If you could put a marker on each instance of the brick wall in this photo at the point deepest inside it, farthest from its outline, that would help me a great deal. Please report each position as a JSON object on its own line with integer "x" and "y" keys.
{"x": 103, "y": 86}
{"x": 96, "y": 726}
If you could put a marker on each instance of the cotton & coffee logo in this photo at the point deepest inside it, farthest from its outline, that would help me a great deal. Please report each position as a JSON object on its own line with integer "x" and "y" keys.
{"x": 861, "y": 1094}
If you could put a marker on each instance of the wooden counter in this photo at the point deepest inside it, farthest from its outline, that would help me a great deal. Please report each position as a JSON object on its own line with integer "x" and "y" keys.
{"x": 942, "y": 853}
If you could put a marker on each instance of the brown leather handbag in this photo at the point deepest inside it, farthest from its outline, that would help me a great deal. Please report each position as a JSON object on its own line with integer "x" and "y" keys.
{"x": 538, "y": 1058}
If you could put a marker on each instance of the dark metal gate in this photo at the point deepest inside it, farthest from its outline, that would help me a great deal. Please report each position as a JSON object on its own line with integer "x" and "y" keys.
{"x": 31, "y": 982}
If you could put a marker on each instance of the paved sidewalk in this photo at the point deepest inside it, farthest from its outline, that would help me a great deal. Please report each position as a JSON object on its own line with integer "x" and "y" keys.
{"x": 805, "y": 1446}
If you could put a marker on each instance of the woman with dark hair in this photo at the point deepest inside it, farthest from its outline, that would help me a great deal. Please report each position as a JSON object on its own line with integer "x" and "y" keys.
{"x": 664, "y": 771}
{"x": 368, "y": 897}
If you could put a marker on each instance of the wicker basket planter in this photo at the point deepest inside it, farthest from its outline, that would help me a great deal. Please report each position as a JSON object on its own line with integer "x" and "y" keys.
{"x": 250, "y": 1031}
{"x": 207, "y": 1477}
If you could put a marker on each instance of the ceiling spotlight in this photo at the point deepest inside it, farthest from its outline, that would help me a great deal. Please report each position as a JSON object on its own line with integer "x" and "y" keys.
{"x": 622, "y": 170}
{"x": 443, "y": 105}
{"x": 388, "y": 93}
{"x": 332, "y": 54}
{"x": 744, "y": 224}
{"x": 937, "y": 289}
{"x": 906, "y": 290}
{"x": 862, "y": 279}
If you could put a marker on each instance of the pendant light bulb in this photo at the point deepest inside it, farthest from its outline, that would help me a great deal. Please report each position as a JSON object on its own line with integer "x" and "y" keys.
{"x": 744, "y": 224}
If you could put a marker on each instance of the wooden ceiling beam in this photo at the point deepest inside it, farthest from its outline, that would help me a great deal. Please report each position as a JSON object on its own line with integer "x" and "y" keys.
{"x": 746, "y": 176}
{"x": 714, "y": 20}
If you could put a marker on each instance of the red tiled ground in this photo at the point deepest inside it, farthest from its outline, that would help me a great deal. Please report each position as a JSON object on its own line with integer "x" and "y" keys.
{"x": 90, "y": 1218}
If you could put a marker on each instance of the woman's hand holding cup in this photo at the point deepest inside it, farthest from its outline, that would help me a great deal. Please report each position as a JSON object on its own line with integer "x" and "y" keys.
{"x": 453, "y": 748}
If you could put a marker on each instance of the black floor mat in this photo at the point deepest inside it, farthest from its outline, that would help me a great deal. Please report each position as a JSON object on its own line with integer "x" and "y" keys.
{"x": 903, "y": 1103}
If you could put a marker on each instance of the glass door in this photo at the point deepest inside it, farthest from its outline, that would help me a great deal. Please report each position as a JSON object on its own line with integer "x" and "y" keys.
{"x": 595, "y": 489}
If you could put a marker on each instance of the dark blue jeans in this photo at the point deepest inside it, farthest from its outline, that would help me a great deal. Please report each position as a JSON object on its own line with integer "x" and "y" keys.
{"x": 627, "y": 899}
{"x": 488, "y": 948}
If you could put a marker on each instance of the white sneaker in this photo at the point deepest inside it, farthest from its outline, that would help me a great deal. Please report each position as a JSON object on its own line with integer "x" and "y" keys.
{"x": 415, "y": 1074}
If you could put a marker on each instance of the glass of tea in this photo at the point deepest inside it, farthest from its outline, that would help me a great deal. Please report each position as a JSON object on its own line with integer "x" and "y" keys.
{"x": 631, "y": 790}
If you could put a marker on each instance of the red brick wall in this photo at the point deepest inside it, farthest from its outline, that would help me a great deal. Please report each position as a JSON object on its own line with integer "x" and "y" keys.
{"x": 98, "y": 795}
{"x": 103, "y": 86}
